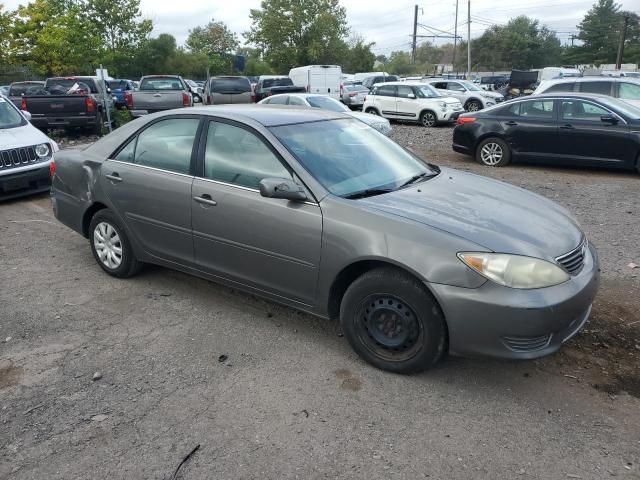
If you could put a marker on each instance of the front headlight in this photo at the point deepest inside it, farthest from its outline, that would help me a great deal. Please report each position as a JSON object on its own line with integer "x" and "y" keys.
{"x": 443, "y": 105}
{"x": 43, "y": 150}
{"x": 514, "y": 271}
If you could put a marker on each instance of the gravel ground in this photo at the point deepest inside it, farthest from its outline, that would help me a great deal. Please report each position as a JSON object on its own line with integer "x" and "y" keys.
{"x": 270, "y": 393}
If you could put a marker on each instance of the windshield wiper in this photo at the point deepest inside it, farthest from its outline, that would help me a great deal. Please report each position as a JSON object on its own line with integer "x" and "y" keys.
{"x": 417, "y": 177}
{"x": 370, "y": 192}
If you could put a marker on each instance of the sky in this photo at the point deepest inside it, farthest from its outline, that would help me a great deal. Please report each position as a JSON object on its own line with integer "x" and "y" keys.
{"x": 388, "y": 23}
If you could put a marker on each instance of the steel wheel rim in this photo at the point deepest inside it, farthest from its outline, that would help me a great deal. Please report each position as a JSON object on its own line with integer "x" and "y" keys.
{"x": 428, "y": 119}
{"x": 108, "y": 245}
{"x": 473, "y": 107}
{"x": 389, "y": 328}
{"x": 491, "y": 153}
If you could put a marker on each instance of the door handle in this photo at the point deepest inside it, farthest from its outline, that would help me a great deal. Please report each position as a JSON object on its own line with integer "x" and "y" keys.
{"x": 114, "y": 177}
{"x": 568, "y": 126}
{"x": 511, "y": 123}
{"x": 206, "y": 200}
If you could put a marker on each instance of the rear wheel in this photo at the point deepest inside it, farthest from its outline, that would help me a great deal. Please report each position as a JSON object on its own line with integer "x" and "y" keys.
{"x": 392, "y": 321}
{"x": 493, "y": 152}
{"x": 111, "y": 247}
{"x": 428, "y": 119}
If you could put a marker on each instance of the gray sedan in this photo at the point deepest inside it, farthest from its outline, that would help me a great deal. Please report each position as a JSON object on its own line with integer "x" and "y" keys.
{"x": 319, "y": 211}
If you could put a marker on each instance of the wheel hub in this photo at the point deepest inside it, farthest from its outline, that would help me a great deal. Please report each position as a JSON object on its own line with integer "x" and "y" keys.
{"x": 389, "y": 324}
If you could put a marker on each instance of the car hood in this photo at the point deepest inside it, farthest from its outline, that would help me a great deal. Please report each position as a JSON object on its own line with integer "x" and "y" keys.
{"x": 495, "y": 215}
{"x": 490, "y": 94}
{"x": 24, "y": 136}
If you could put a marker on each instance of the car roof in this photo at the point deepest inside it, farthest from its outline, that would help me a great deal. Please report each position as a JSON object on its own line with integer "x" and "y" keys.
{"x": 412, "y": 83}
{"x": 301, "y": 95}
{"x": 577, "y": 95}
{"x": 590, "y": 78}
{"x": 269, "y": 115}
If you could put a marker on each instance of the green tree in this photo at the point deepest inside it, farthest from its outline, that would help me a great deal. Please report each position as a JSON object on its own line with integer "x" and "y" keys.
{"x": 254, "y": 63}
{"x": 6, "y": 25}
{"x": 400, "y": 63}
{"x": 358, "y": 57}
{"x": 212, "y": 39}
{"x": 298, "y": 32}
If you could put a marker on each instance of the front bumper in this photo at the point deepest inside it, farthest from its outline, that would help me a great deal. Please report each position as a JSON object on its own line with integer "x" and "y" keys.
{"x": 450, "y": 116}
{"x": 496, "y": 321}
{"x": 25, "y": 182}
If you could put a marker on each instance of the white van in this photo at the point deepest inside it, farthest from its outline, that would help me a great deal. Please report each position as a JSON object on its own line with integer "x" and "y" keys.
{"x": 320, "y": 79}
{"x": 549, "y": 73}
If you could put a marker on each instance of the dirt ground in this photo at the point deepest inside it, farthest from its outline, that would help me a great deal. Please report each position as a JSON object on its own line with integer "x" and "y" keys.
{"x": 270, "y": 393}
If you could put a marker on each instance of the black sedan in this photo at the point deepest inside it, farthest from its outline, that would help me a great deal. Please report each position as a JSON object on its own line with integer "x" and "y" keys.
{"x": 589, "y": 130}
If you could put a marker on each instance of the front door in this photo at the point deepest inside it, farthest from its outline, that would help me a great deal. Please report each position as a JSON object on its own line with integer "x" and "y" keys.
{"x": 406, "y": 105}
{"x": 149, "y": 182}
{"x": 266, "y": 243}
{"x": 587, "y": 140}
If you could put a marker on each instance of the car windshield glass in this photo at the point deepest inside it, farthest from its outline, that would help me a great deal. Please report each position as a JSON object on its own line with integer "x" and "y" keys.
{"x": 426, "y": 91}
{"x": 277, "y": 82}
{"x": 327, "y": 103}
{"x": 9, "y": 115}
{"x": 622, "y": 107}
{"x": 230, "y": 85}
{"x": 161, "y": 83}
{"x": 349, "y": 158}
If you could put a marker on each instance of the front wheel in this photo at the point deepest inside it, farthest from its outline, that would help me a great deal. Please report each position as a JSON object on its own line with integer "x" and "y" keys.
{"x": 110, "y": 245}
{"x": 428, "y": 119}
{"x": 372, "y": 111}
{"x": 493, "y": 152}
{"x": 473, "y": 106}
{"x": 393, "y": 322}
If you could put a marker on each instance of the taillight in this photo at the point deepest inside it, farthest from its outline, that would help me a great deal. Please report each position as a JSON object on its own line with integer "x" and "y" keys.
{"x": 209, "y": 100}
{"x": 463, "y": 120}
{"x": 253, "y": 99}
{"x": 128, "y": 99}
{"x": 52, "y": 168}
{"x": 186, "y": 100}
{"x": 23, "y": 104}
{"x": 353, "y": 94}
{"x": 91, "y": 106}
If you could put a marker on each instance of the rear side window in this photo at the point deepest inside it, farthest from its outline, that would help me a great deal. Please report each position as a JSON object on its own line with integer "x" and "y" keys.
{"x": 237, "y": 156}
{"x": 166, "y": 145}
{"x": 532, "y": 109}
{"x": 560, "y": 87}
{"x": 278, "y": 100}
{"x": 386, "y": 90}
{"x": 601, "y": 88}
{"x": 161, "y": 83}
{"x": 629, "y": 91}
{"x": 230, "y": 85}
{"x": 440, "y": 85}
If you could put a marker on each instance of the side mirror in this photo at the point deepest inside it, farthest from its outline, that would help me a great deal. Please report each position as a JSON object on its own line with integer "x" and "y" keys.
{"x": 411, "y": 95}
{"x": 610, "y": 119}
{"x": 108, "y": 90}
{"x": 26, "y": 115}
{"x": 282, "y": 188}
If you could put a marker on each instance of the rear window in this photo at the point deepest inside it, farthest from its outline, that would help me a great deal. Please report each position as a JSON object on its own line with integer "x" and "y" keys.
{"x": 19, "y": 89}
{"x": 117, "y": 84}
{"x": 277, "y": 82}
{"x": 230, "y": 85}
{"x": 58, "y": 85}
{"x": 161, "y": 83}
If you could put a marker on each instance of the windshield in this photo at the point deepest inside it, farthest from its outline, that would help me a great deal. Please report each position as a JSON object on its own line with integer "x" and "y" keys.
{"x": 230, "y": 85}
{"x": 277, "y": 82}
{"x": 161, "y": 83}
{"x": 327, "y": 103}
{"x": 426, "y": 91}
{"x": 348, "y": 157}
{"x": 10, "y": 117}
{"x": 624, "y": 108}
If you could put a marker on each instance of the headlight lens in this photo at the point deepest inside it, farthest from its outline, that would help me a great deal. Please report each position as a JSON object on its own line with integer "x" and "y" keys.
{"x": 443, "y": 105}
{"x": 514, "y": 271}
{"x": 42, "y": 150}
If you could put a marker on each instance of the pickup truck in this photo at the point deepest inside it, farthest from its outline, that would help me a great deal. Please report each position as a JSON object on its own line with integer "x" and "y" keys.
{"x": 68, "y": 102}
{"x": 17, "y": 90}
{"x": 158, "y": 93}
{"x": 118, "y": 90}
{"x": 272, "y": 85}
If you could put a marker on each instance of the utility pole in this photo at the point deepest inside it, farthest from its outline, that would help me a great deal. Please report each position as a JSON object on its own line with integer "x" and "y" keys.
{"x": 468, "y": 39}
{"x": 623, "y": 36}
{"x": 572, "y": 37}
{"x": 455, "y": 38}
{"x": 415, "y": 33}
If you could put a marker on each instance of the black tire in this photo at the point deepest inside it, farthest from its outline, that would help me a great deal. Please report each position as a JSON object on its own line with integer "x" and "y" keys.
{"x": 129, "y": 264}
{"x": 428, "y": 119}
{"x": 419, "y": 338}
{"x": 99, "y": 126}
{"x": 501, "y": 155}
{"x": 372, "y": 111}
{"x": 473, "y": 106}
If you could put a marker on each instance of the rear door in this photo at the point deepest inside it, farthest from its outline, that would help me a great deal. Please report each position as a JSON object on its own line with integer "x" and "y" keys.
{"x": 269, "y": 244}
{"x": 531, "y": 128}
{"x": 585, "y": 139}
{"x": 149, "y": 183}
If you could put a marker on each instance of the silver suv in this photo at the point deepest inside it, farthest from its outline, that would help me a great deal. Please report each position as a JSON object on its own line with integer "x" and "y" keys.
{"x": 626, "y": 89}
{"x": 472, "y": 97}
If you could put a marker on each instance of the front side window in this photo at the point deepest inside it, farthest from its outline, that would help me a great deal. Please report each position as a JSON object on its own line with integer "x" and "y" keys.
{"x": 426, "y": 91}
{"x": 404, "y": 92}
{"x": 455, "y": 87}
{"x": 629, "y": 91}
{"x": 579, "y": 110}
{"x": 239, "y": 157}
{"x": 349, "y": 158}
{"x": 167, "y": 145}
{"x": 532, "y": 109}
{"x": 599, "y": 88}
{"x": 386, "y": 91}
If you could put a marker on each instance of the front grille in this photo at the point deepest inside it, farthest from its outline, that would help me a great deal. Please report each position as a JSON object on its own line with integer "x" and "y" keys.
{"x": 499, "y": 99}
{"x": 527, "y": 344}
{"x": 17, "y": 157}
{"x": 573, "y": 261}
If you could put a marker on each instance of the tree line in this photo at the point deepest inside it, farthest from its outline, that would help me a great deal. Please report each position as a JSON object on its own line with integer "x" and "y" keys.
{"x": 63, "y": 37}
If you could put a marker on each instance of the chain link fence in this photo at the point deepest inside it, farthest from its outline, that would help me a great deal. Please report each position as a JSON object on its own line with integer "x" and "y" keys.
{"x": 15, "y": 73}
